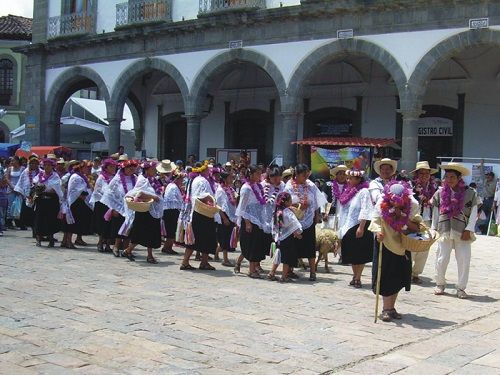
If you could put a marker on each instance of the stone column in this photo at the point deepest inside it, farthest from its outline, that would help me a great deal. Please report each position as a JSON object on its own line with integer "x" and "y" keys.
{"x": 114, "y": 135}
{"x": 193, "y": 123}
{"x": 409, "y": 152}
{"x": 290, "y": 124}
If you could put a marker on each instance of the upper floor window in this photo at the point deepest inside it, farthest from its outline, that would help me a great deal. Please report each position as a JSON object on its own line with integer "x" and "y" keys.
{"x": 78, "y": 6}
{"x": 6, "y": 81}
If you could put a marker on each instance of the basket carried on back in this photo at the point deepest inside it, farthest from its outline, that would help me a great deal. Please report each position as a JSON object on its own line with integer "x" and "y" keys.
{"x": 419, "y": 244}
{"x": 138, "y": 206}
{"x": 206, "y": 209}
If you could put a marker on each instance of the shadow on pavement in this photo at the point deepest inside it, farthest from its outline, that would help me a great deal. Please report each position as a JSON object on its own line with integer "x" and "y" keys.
{"x": 422, "y": 322}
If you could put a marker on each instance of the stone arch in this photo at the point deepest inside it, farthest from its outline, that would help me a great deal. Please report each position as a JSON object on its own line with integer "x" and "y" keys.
{"x": 202, "y": 81}
{"x": 421, "y": 76}
{"x": 67, "y": 83}
{"x": 338, "y": 48}
{"x": 134, "y": 71}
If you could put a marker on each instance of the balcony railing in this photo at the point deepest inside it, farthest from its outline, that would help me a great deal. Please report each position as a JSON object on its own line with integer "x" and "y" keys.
{"x": 214, "y": 6}
{"x": 71, "y": 24}
{"x": 143, "y": 11}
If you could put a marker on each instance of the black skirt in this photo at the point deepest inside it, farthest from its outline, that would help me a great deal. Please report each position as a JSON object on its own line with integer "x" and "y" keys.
{"x": 101, "y": 226}
{"x": 252, "y": 244}
{"x": 224, "y": 235}
{"x": 289, "y": 251}
{"x": 395, "y": 273}
{"x": 307, "y": 245}
{"x": 27, "y": 215}
{"x": 357, "y": 250}
{"x": 204, "y": 230}
{"x": 47, "y": 208}
{"x": 114, "y": 227}
{"x": 267, "y": 241}
{"x": 146, "y": 230}
{"x": 170, "y": 218}
{"x": 83, "y": 218}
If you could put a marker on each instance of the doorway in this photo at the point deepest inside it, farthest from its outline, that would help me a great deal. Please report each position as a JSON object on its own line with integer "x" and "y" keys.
{"x": 172, "y": 137}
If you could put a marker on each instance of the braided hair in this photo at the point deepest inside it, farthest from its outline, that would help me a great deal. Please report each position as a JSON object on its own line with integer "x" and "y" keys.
{"x": 280, "y": 206}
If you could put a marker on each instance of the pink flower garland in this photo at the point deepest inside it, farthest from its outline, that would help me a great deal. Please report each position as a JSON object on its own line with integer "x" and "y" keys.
{"x": 425, "y": 193}
{"x": 230, "y": 193}
{"x": 270, "y": 198}
{"x": 124, "y": 182}
{"x": 156, "y": 184}
{"x": 336, "y": 189}
{"x": 392, "y": 201}
{"x": 350, "y": 191}
{"x": 258, "y": 190}
{"x": 43, "y": 178}
{"x": 211, "y": 182}
{"x": 452, "y": 202}
{"x": 106, "y": 176}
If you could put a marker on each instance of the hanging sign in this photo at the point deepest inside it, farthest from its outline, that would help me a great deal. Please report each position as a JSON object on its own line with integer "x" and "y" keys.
{"x": 435, "y": 127}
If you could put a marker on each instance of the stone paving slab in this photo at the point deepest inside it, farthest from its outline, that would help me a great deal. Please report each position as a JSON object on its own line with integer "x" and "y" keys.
{"x": 81, "y": 312}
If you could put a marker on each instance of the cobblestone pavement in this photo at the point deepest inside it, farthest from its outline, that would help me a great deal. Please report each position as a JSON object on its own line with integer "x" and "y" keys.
{"x": 81, "y": 312}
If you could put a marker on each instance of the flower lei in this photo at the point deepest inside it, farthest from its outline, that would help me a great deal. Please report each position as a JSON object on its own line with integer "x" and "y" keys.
{"x": 392, "y": 201}
{"x": 85, "y": 178}
{"x": 452, "y": 202}
{"x": 156, "y": 185}
{"x": 350, "y": 191}
{"x": 258, "y": 190}
{"x": 200, "y": 169}
{"x": 271, "y": 198}
{"x": 303, "y": 198}
{"x": 230, "y": 193}
{"x": 43, "y": 178}
{"x": 425, "y": 193}
{"x": 211, "y": 182}
{"x": 106, "y": 176}
{"x": 336, "y": 189}
{"x": 124, "y": 182}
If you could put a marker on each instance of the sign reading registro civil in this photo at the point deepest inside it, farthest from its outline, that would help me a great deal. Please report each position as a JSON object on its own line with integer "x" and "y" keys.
{"x": 435, "y": 127}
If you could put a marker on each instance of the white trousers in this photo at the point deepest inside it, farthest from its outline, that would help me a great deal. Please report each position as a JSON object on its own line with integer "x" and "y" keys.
{"x": 419, "y": 259}
{"x": 462, "y": 255}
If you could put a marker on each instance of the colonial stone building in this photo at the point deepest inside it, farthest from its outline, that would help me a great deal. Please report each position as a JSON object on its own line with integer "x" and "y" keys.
{"x": 207, "y": 74}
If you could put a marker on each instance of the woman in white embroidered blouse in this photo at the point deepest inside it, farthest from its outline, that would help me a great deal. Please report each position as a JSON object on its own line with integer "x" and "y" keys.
{"x": 173, "y": 201}
{"x": 226, "y": 199}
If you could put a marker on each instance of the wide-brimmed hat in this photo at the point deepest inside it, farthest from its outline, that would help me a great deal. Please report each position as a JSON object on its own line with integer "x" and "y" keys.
{"x": 51, "y": 156}
{"x": 123, "y": 157}
{"x": 424, "y": 165}
{"x": 460, "y": 168}
{"x": 115, "y": 156}
{"x": 287, "y": 173}
{"x": 337, "y": 169}
{"x": 61, "y": 161}
{"x": 166, "y": 166}
{"x": 385, "y": 161}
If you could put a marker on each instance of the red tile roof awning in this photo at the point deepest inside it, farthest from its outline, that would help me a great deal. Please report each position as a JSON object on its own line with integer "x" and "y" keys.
{"x": 347, "y": 141}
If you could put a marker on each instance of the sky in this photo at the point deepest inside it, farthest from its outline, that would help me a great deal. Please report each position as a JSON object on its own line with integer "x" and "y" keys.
{"x": 17, "y": 7}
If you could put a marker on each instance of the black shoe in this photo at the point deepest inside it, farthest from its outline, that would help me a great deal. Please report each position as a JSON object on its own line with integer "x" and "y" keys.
{"x": 51, "y": 243}
{"x": 130, "y": 256}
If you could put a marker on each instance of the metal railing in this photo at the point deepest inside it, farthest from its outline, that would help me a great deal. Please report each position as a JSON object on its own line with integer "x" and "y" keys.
{"x": 213, "y": 6}
{"x": 70, "y": 24}
{"x": 143, "y": 11}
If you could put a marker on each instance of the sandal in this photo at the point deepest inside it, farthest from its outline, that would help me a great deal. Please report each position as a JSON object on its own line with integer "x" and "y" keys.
{"x": 386, "y": 316}
{"x": 353, "y": 282}
{"x": 293, "y": 275}
{"x": 107, "y": 249}
{"x": 357, "y": 284}
{"x": 151, "y": 260}
{"x": 100, "y": 248}
{"x": 169, "y": 252}
{"x": 81, "y": 243}
{"x": 395, "y": 315}
{"x": 130, "y": 256}
{"x": 116, "y": 252}
{"x": 206, "y": 267}
{"x": 312, "y": 276}
{"x": 227, "y": 264}
{"x": 254, "y": 275}
{"x": 237, "y": 268}
{"x": 416, "y": 280}
{"x": 284, "y": 280}
{"x": 187, "y": 267}
{"x": 51, "y": 243}
{"x": 272, "y": 277}
{"x": 38, "y": 243}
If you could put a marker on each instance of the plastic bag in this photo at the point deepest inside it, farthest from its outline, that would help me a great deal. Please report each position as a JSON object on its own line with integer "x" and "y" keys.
{"x": 15, "y": 207}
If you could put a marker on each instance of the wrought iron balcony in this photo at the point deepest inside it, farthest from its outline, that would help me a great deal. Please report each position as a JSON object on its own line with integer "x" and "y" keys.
{"x": 143, "y": 11}
{"x": 215, "y": 6}
{"x": 71, "y": 24}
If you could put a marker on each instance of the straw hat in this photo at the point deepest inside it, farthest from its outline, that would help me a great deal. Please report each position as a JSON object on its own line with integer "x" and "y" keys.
{"x": 287, "y": 173}
{"x": 385, "y": 161}
{"x": 51, "y": 156}
{"x": 424, "y": 165}
{"x": 61, "y": 161}
{"x": 115, "y": 156}
{"x": 166, "y": 166}
{"x": 122, "y": 157}
{"x": 460, "y": 168}
{"x": 337, "y": 169}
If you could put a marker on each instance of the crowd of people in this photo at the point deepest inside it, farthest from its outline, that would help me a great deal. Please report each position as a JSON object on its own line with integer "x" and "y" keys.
{"x": 207, "y": 208}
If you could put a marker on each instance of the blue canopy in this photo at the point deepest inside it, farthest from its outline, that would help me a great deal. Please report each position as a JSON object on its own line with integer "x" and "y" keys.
{"x": 8, "y": 149}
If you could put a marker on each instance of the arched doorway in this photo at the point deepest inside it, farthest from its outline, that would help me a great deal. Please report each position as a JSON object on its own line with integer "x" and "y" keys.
{"x": 172, "y": 136}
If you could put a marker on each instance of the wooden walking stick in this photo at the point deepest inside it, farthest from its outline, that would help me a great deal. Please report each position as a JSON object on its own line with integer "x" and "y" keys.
{"x": 491, "y": 218}
{"x": 379, "y": 273}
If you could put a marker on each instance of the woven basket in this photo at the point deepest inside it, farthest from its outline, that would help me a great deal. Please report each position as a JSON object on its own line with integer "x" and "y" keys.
{"x": 138, "y": 206}
{"x": 206, "y": 209}
{"x": 299, "y": 214}
{"x": 415, "y": 245}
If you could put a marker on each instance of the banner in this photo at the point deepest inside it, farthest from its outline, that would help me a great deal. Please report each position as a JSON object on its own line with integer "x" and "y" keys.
{"x": 322, "y": 160}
